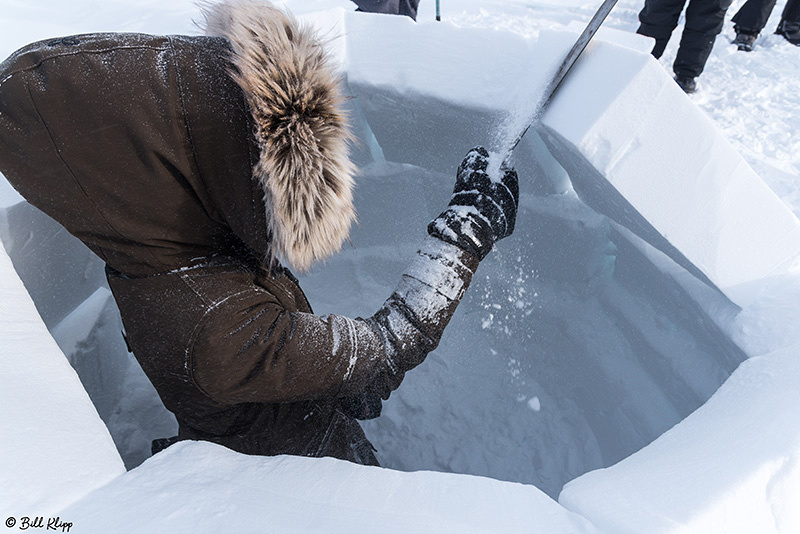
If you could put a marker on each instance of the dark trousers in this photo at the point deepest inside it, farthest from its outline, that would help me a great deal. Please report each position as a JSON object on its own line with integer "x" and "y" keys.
{"x": 753, "y": 15}
{"x": 392, "y": 7}
{"x": 704, "y": 21}
{"x": 791, "y": 13}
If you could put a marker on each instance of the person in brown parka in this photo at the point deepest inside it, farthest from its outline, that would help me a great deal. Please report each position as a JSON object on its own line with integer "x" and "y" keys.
{"x": 195, "y": 166}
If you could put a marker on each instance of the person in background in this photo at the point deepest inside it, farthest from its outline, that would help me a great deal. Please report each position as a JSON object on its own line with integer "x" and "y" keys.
{"x": 753, "y": 16}
{"x": 704, "y": 21}
{"x": 391, "y": 7}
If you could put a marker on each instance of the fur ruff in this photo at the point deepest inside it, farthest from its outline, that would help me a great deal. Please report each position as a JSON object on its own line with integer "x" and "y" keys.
{"x": 303, "y": 134}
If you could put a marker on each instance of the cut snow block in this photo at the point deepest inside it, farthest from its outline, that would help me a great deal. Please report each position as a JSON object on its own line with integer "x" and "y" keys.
{"x": 200, "y": 487}
{"x": 32, "y": 239}
{"x": 54, "y": 448}
{"x": 435, "y": 90}
{"x": 733, "y": 466}
{"x": 638, "y": 150}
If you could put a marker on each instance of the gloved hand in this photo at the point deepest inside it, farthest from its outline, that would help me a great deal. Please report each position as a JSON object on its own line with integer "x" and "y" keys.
{"x": 364, "y": 405}
{"x": 481, "y": 211}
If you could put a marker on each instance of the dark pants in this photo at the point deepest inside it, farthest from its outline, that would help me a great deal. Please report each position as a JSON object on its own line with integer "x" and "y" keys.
{"x": 753, "y": 15}
{"x": 704, "y": 21}
{"x": 791, "y": 13}
{"x": 392, "y": 7}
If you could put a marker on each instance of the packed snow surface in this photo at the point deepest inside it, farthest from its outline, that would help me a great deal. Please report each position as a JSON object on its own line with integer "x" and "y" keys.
{"x": 577, "y": 345}
{"x": 691, "y": 484}
{"x": 54, "y": 448}
{"x": 170, "y": 493}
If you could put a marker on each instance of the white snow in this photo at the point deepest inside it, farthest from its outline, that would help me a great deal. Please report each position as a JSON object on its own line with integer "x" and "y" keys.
{"x": 732, "y": 466}
{"x": 673, "y": 166}
{"x": 577, "y": 345}
{"x": 200, "y": 487}
{"x": 54, "y": 447}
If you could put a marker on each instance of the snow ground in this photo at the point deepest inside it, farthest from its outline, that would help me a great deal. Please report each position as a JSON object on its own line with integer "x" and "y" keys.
{"x": 545, "y": 420}
{"x": 286, "y": 494}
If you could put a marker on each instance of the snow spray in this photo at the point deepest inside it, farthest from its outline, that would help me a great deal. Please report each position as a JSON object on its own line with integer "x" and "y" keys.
{"x": 572, "y": 56}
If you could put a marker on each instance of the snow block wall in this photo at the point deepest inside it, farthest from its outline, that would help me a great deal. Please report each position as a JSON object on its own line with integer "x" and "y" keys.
{"x": 732, "y": 466}
{"x": 196, "y": 487}
{"x": 638, "y": 150}
{"x": 54, "y": 447}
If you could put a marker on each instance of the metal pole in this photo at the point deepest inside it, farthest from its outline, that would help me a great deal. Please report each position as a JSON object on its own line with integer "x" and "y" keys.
{"x": 568, "y": 62}
{"x": 438, "y": 12}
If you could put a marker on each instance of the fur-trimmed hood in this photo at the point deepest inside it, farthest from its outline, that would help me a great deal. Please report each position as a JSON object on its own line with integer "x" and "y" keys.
{"x": 293, "y": 92}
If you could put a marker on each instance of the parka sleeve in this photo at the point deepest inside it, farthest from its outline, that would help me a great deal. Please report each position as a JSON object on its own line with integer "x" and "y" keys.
{"x": 250, "y": 349}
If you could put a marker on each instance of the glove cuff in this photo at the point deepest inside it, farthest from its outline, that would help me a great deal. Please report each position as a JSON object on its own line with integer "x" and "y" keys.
{"x": 464, "y": 227}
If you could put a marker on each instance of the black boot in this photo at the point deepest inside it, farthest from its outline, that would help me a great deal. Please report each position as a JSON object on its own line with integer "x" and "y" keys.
{"x": 687, "y": 83}
{"x": 790, "y": 31}
{"x": 745, "y": 39}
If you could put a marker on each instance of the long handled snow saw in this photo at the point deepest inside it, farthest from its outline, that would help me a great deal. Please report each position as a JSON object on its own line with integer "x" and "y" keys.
{"x": 570, "y": 59}
{"x": 643, "y": 229}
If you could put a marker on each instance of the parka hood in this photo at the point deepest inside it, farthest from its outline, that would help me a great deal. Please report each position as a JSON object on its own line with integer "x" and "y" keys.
{"x": 293, "y": 92}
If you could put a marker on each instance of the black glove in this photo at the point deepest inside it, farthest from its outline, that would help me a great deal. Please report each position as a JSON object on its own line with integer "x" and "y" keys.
{"x": 365, "y": 405}
{"x": 481, "y": 211}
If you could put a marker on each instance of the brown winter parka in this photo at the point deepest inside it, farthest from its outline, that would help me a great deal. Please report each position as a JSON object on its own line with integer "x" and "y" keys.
{"x": 191, "y": 166}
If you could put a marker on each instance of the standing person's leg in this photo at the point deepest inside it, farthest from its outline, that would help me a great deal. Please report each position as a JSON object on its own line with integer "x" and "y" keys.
{"x": 704, "y": 20}
{"x": 749, "y": 21}
{"x": 378, "y": 6}
{"x": 753, "y": 16}
{"x": 409, "y": 8}
{"x": 392, "y": 7}
{"x": 791, "y": 13}
{"x": 789, "y": 26}
{"x": 658, "y": 19}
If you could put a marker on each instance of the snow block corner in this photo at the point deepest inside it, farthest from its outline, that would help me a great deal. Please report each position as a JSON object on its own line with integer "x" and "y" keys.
{"x": 638, "y": 150}
{"x": 55, "y": 449}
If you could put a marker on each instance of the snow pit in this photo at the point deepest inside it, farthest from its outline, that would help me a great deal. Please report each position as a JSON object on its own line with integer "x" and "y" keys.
{"x": 577, "y": 345}
{"x": 570, "y": 311}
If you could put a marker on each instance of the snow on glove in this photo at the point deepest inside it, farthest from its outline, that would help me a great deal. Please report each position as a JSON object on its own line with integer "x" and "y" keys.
{"x": 481, "y": 211}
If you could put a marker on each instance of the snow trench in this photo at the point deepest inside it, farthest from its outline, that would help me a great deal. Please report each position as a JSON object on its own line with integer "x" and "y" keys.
{"x": 574, "y": 347}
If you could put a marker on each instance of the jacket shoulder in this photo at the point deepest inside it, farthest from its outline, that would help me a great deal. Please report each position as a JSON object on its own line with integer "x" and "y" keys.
{"x": 35, "y": 54}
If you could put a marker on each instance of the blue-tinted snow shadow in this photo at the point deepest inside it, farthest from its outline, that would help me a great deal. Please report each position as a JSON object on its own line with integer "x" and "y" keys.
{"x": 572, "y": 348}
